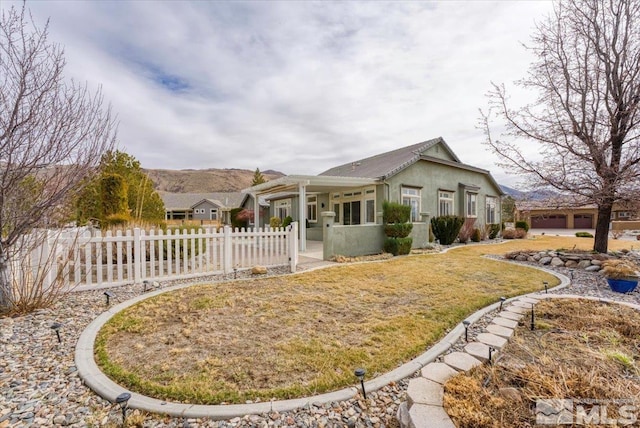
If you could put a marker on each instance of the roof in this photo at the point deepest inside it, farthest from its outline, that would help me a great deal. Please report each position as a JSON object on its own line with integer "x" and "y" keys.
{"x": 387, "y": 164}
{"x": 184, "y": 201}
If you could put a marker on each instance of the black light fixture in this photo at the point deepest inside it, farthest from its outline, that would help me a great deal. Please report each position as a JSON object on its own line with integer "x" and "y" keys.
{"x": 235, "y": 273}
{"x": 491, "y": 351}
{"x": 546, "y": 285}
{"x": 360, "y": 372}
{"x": 145, "y": 284}
{"x": 123, "y": 400}
{"x": 502, "y": 300}
{"x": 56, "y": 327}
{"x": 532, "y": 318}
{"x": 466, "y": 324}
{"x": 109, "y": 295}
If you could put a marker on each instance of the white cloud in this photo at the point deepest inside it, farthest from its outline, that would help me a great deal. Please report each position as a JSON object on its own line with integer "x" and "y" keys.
{"x": 293, "y": 86}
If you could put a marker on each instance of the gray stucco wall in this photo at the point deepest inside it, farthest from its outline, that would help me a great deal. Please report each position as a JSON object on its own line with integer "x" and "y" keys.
{"x": 358, "y": 240}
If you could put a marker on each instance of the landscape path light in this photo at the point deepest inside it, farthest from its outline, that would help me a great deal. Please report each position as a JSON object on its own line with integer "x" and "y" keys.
{"x": 546, "y": 285}
{"x": 56, "y": 327}
{"x": 360, "y": 372}
{"x": 109, "y": 295}
{"x": 123, "y": 401}
{"x": 532, "y": 318}
{"x": 466, "y": 324}
{"x": 502, "y": 299}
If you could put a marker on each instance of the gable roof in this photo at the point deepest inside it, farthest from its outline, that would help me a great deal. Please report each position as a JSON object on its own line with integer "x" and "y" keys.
{"x": 213, "y": 202}
{"x": 185, "y": 201}
{"x": 387, "y": 164}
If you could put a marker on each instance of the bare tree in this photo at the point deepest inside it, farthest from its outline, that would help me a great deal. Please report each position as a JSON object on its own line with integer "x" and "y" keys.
{"x": 52, "y": 135}
{"x": 585, "y": 122}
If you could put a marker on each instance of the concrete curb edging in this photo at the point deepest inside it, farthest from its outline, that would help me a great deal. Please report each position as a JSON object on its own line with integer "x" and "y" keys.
{"x": 97, "y": 381}
{"x": 424, "y": 405}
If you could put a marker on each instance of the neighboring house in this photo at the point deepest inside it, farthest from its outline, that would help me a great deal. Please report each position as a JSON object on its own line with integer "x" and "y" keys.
{"x": 427, "y": 176}
{"x": 206, "y": 206}
{"x": 558, "y": 215}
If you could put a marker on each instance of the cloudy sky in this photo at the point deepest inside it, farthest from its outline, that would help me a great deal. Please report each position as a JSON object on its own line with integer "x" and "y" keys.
{"x": 295, "y": 86}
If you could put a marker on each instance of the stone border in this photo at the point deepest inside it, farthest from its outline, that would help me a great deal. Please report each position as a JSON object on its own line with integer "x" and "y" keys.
{"x": 425, "y": 394}
{"x": 96, "y": 380}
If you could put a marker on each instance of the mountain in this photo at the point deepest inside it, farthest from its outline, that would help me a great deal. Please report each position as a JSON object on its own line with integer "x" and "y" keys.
{"x": 534, "y": 195}
{"x": 205, "y": 180}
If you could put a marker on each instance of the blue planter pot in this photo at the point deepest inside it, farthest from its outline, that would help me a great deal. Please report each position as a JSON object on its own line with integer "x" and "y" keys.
{"x": 622, "y": 285}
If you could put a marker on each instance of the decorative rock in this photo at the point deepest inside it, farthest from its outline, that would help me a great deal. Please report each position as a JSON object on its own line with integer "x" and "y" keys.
{"x": 557, "y": 262}
{"x": 403, "y": 415}
{"x": 593, "y": 268}
{"x": 511, "y": 394}
{"x": 258, "y": 270}
{"x": 571, "y": 264}
{"x": 438, "y": 372}
{"x": 583, "y": 264}
{"x": 545, "y": 260}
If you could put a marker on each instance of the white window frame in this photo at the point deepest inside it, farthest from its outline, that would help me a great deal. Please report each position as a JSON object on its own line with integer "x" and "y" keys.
{"x": 471, "y": 204}
{"x": 282, "y": 208}
{"x": 312, "y": 208}
{"x": 213, "y": 214}
{"x": 411, "y": 196}
{"x": 369, "y": 206}
{"x": 446, "y": 198}
{"x": 364, "y": 197}
{"x": 491, "y": 204}
{"x": 624, "y": 214}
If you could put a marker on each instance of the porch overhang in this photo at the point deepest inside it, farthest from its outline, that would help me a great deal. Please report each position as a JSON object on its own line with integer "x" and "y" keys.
{"x": 302, "y": 185}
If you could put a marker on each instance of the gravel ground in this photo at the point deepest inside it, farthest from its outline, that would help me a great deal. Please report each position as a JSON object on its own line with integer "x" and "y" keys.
{"x": 39, "y": 385}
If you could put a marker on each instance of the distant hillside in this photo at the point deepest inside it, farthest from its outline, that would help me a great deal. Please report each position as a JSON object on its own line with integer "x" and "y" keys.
{"x": 535, "y": 195}
{"x": 205, "y": 180}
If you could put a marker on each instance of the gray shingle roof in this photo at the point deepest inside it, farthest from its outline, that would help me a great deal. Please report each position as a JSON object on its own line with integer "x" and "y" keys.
{"x": 385, "y": 164}
{"x": 184, "y": 201}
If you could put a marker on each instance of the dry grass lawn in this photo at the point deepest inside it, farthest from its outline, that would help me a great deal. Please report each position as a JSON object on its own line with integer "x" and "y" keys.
{"x": 580, "y": 349}
{"x": 297, "y": 335}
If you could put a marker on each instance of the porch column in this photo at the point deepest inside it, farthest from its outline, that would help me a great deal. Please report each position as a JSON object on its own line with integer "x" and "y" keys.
{"x": 302, "y": 209}
{"x": 256, "y": 211}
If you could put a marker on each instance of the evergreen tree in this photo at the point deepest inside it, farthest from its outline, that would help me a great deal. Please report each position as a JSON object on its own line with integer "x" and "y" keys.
{"x": 258, "y": 178}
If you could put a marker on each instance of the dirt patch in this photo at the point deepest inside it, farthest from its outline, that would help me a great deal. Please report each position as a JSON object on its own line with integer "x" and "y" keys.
{"x": 580, "y": 349}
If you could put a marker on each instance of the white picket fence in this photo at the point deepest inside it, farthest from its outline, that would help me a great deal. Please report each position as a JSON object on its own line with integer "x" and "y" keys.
{"x": 90, "y": 259}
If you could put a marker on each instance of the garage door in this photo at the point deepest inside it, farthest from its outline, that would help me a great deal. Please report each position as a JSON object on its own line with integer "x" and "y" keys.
{"x": 583, "y": 221}
{"x": 554, "y": 221}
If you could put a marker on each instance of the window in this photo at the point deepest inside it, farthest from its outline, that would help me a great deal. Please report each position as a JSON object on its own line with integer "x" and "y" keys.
{"x": 624, "y": 214}
{"x": 370, "y": 206}
{"x": 472, "y": 204}
{"x": 283, "y": 208}
{"x": 351, "y": 212}
{"x": 312, "y": 209}
{"x": 445, "y": 203}
{"x": 213, "y": 214}
{"x": 491, "y": 210}
{"x": 411, "y": 197}
{"x": 198, "y": 211}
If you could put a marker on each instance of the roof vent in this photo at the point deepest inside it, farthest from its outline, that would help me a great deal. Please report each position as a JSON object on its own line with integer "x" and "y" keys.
{"x": 354, "y": 165}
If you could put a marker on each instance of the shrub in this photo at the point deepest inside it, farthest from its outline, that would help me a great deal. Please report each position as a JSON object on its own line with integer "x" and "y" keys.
{"x": 390, "y": 246}
{"x": 494, "y": 229}
{"x": 398, "y": 230}
{"x": 466, "y": 230}
{"x": 393, "y": 212}
{"x": 446, "y": 228}
{"x": 275, "y": 222}
{"x": 115, "y": 220}
{"x": 404, "y": 245}
{"x": 514, "y": 233}
{"x": 238, "y": 222}
{"x": 475, "y": 236}
{"x": 522, "y": 225}
{"x": 584, "y": 235}
{"x": 287, "y": 221}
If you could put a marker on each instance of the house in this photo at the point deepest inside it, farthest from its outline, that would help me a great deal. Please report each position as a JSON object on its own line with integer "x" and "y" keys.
{"x": 346, "y": 201}
{"x": 557, "y": 214}
{"x": 210, "y": 207}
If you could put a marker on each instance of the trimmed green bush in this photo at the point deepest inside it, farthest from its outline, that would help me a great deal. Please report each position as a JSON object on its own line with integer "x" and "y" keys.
{"x": 475, "y": 236}
{"x": 584, "y": 235}
{"x": 522, "y": 225}
{"x": 398, "y": 230}
{"x": 390, "y": 246}
{"x": 404, "y": 246}
{"x": 446, "y": 228}
{"x": 393, "y": 212}
{"x": 287, "y": 221}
